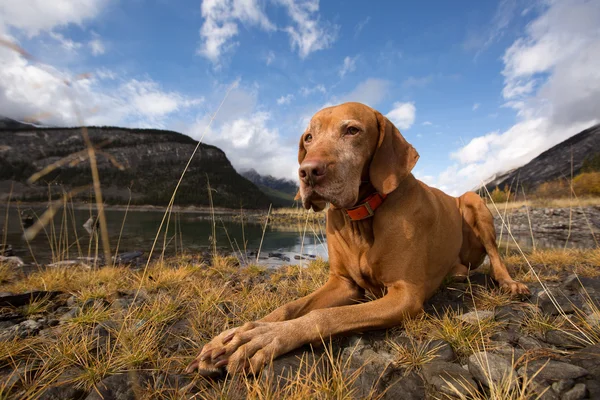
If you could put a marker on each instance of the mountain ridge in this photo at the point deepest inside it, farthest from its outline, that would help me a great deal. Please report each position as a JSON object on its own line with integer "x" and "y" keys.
{"x": 552, "y": 164}
{"x": 152, "y": 161}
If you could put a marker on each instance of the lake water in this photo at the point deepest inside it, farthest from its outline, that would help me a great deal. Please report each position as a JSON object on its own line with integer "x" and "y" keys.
{"x": 192, "y": 231}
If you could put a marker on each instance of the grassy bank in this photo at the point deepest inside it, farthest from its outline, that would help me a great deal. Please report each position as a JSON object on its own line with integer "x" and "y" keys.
{"x": 153, "y": 322}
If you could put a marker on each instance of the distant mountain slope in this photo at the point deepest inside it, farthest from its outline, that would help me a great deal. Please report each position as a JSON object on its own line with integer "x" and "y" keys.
{"x": 152, "y": 159}
{"x": 553, "y": 163}
{"x": 280, "y": 191}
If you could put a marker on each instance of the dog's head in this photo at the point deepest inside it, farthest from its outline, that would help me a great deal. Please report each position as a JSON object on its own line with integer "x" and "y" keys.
{"x": 347, "y": 145}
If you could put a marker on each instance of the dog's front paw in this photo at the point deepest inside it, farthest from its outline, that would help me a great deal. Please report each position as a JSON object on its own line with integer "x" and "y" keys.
{"x": 514, "y": 288}
{"x": 206, "y": 362}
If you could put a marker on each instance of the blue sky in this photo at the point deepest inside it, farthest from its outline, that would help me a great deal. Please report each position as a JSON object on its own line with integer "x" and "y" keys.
{"x": 476, "y": 87}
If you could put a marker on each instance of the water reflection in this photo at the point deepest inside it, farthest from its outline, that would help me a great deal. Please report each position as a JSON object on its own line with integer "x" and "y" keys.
{"x": 69, "y": 235}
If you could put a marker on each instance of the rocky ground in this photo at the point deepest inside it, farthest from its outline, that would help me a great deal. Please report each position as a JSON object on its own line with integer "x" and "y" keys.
{"x": 551, "y": 226}
{"x": 127, "y": 333}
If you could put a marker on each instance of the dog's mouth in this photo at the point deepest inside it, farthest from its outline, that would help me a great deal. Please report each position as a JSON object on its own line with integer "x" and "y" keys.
{"x": 312, "y": 198}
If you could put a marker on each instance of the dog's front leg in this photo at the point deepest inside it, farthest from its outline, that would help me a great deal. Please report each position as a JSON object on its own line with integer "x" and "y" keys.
{"x": 337, "y": 291}
{"x": 251, "y": 346}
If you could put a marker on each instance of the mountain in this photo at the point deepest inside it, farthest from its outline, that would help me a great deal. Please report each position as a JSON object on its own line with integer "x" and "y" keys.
{"x": 8, "y": 123}
{"x": 148, "y": 161}
{"x": 280, "y": 191}
{"x": 553, "y": 163}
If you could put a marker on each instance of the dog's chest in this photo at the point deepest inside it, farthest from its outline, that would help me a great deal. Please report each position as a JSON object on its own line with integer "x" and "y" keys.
{"x": 356, "y": 244}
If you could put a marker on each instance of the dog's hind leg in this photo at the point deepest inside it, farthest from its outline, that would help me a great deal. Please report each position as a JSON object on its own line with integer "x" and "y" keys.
{"x": 484, "y": 228}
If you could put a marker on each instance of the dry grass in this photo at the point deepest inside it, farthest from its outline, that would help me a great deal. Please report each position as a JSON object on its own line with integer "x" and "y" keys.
{"x": 553, "y": 265}
{"x": 546, "y": 202}
{"x": 205, "y": 299}
{"x": 414, "y": 355}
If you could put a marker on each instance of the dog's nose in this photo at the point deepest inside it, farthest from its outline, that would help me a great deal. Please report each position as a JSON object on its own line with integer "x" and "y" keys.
{"x": 312, "y": 172}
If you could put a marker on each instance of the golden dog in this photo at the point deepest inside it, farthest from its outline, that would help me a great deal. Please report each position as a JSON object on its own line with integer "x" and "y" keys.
{"x": 387, "y": 233}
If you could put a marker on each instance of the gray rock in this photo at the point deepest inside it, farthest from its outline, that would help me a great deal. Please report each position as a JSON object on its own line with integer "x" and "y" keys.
{"x": 118, "y": 387}
{"x": 510, "y": 314}
{"x": 449, "y": 378}
{"x": 30, "y": 325}
{"x": 379, "y": 376}
{"x": 571, "y": 340}
{"x": 552, "y": 370}
{"x": 397, "y": 385}
{"x": 72, "y": 313}
{"x": 443, "y": 350}
{"x": 486, "y": 367}
{"x": 578, "y": 392}
{"x": 506, "y": 350}
{"x": 62, "y": 392}
{"x": 563, "y": 385}
{"x": 474, "y": 317}
{"x": 543, "y": 391}
{"x": 566, "y": 302}
{"x": 509, "y": 336}
{"x": 588, "y": 358}
{"x": 529, "y": 343}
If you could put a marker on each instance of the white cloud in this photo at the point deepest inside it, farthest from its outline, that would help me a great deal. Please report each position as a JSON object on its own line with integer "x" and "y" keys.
{"x": 34, "y": 89}
{"x": 221, "y": 18}
{"x": 427, "y": 123}
{"x": 360, "y": 26}
{"x": 402, "y": 115}
{"x": 308, "y": 34}
{"x": 270, "y": 57}
{"x": 249, "y": 138}
{"x": 349, "y": 65}
{"x": 35, "y": 16}
{"x": 96, "y": 45}
{"x": 475, "y": 106}
{"x": 287, "y": 99}
{"x": 148, "y": 99}
{"x": 552, "y": 81}
{"x": 306, "y": 91}
{"x": 65, "y": 43}
{"x": 220, "y": 25}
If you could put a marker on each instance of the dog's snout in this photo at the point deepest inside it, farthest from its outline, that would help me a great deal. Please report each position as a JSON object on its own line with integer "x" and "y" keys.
{"x": 312, "y": 171}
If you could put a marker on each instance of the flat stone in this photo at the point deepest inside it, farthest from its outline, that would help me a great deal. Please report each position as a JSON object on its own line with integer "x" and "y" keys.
{"x": 563, "y": 385}
{"x": 588, "y": 358}
{"x": 473, "y": 317}
{"x": 563, "y": 299}
{"x": 511, "y": 314}
{"x": 509, "y": 336}
{"x": 552, "y": 370}
{"x": 442, "y": 350}
{"x": 506, "y": 350}
{"x": 578, "y": 392}
{"x": 449, "y": 378}
{"x": 117, "y": 387}
{"x": 572, "y": 340}
{"x": 62, "y": 392}
{"x": 529, "y": 343}
{"x": 486, "y": 367}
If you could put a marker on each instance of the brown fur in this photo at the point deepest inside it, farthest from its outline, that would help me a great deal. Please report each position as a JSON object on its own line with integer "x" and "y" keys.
{"x": 417, "y": 237}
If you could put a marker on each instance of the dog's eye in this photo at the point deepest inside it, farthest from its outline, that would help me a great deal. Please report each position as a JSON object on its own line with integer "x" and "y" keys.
{"x": 352, "y": 130}
{"x": 308, "y": 138}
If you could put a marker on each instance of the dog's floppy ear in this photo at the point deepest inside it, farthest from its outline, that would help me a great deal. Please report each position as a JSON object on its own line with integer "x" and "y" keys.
{"x": 394, "y": 157}
{"x": 301, "y": 150}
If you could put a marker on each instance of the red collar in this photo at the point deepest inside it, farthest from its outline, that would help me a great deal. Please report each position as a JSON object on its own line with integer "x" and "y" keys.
{"x": 367, "y": 208}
